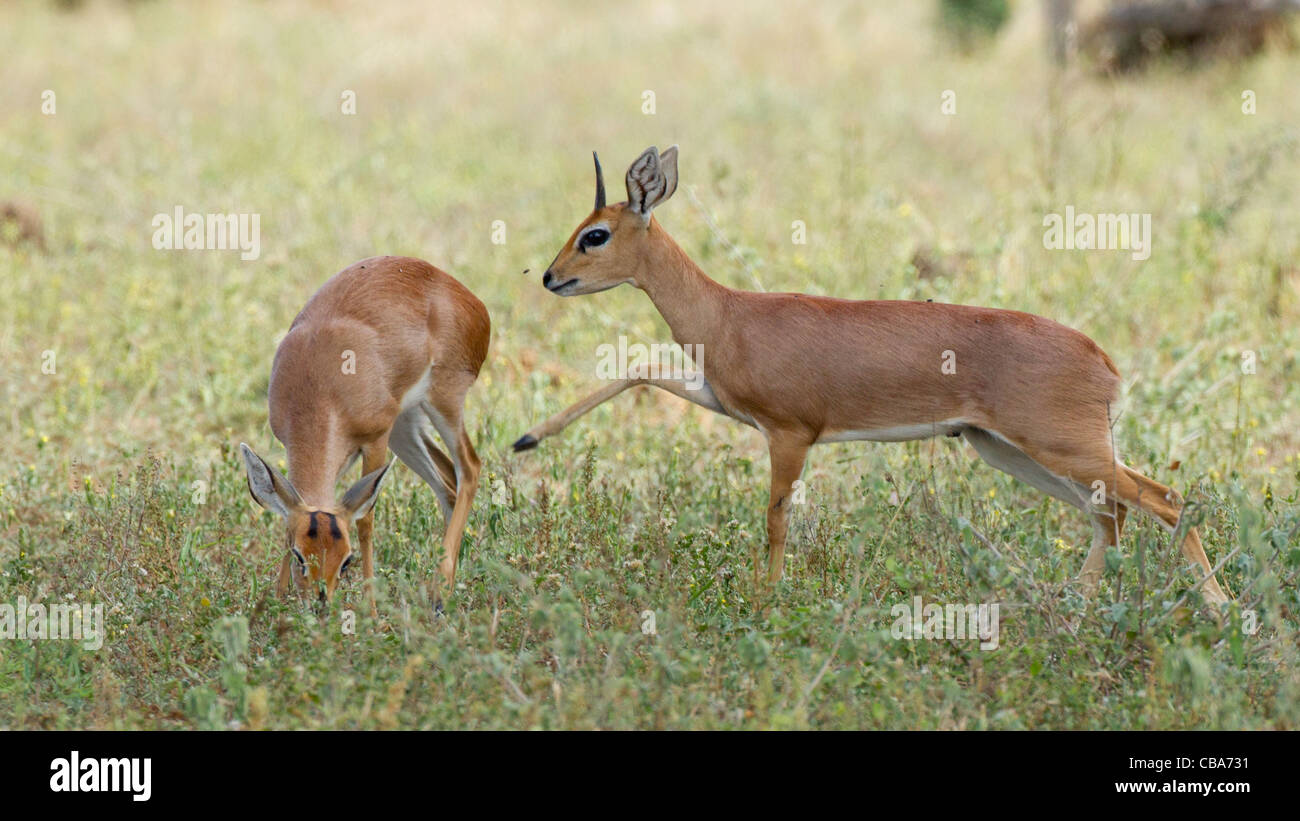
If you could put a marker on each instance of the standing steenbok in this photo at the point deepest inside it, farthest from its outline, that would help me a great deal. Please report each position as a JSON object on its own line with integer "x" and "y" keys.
{"x": 1033, "y": 398}
{"x": 382, "y": 355}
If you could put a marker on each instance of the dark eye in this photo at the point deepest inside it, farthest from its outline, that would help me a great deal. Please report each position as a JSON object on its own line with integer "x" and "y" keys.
{"x": 594, "y": 238}
{"x": 343, "y": 568}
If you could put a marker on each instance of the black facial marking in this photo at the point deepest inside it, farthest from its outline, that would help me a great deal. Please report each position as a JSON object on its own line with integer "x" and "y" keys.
{"x": 334, "y": 526}
{"x": 311, "y": 529}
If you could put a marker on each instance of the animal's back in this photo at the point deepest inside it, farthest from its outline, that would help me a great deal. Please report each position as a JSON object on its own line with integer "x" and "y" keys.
{"x": 914, "y": 360}
{"x": 367, "y": 336}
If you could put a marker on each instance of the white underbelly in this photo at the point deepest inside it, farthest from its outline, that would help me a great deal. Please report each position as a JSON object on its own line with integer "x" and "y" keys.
{"x": 898, "y": 433}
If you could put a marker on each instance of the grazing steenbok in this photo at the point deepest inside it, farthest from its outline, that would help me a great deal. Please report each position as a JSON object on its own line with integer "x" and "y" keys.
{"x": 381, "y": 356}
{"x": 1033, "y": 397}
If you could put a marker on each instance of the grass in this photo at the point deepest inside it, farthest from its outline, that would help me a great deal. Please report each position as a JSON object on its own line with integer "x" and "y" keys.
{"x": 119, "y": 475}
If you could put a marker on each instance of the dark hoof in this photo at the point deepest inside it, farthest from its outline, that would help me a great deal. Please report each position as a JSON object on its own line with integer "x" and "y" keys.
{"x": 525, "y": 442}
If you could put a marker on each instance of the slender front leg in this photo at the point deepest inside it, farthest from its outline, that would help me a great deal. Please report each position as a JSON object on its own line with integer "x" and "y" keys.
{"x": 700, "y": 394}
{"x": 788, "y": 454}
{"x": 373, "y": 457}
{"x": 282, "y": 584}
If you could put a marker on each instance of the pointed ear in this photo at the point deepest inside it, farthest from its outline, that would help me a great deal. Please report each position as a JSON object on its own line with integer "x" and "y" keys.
{"x": 270, "y": 490}
{"x": 668, "y": 165}
{"x": 651, "y": 180}
{"x": 363, "y": 495}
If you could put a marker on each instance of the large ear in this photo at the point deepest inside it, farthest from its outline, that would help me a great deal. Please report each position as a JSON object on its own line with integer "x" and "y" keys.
{"x": 270, "y": 490}
{"x": 651, "y": 180}
{"x": 668, "y": 165}
{"x": 363, "y": 495}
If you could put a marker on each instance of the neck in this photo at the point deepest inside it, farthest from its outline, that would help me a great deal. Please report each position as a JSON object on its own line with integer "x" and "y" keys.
{"x": 683, "y": 294}
{"x": 314, "y": 465}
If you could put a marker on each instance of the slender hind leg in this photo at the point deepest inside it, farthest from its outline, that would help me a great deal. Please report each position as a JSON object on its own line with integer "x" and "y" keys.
{"x": 1070, "y": 471}
{"x": 1161, "y": 502}
{"x": 1089, "y": 464}
{"x": 445, "y": 409}
{"x": 411, "y": 440}
{"x": 1106, "y": 531}
{"x": 1002, "y": 454}
{"x": 446, "y": 471}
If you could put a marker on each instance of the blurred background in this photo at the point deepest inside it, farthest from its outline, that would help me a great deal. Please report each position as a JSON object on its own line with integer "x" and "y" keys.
{"x": 919, "y": 145}
{"x": 467, "y": 114}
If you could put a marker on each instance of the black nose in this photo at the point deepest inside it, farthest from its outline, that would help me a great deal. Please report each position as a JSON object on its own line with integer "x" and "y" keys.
{"x": 546, "y": 279}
